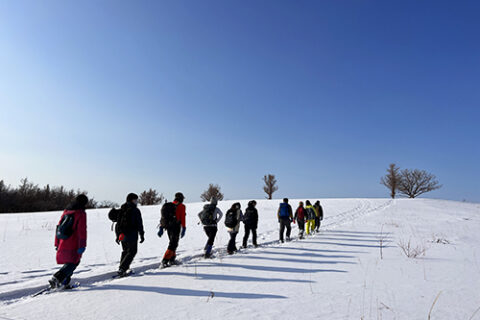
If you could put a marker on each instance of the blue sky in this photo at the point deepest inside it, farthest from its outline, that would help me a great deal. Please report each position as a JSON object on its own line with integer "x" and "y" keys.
{"x": 120, "y": 96}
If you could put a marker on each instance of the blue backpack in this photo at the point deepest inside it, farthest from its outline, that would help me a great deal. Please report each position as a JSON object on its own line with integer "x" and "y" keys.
{"x": 284, "y": 210}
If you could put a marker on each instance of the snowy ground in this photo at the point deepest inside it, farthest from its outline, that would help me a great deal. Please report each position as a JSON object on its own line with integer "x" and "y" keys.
{"x": 337, "y": 274}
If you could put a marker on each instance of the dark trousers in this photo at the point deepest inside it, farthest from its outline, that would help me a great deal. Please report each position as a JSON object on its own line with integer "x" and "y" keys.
{"x": 317, "y": 223}
{"x": 128, "y": 253}
{"x": 173, "y": 236}
{"x": 285, "y": 223}
{"x": 301, "y": 227}
{"x": 211, "y": 232}
{"x": 247, "y": 234}
{"x": 64, "y": 275}
{"x": 231, "y": 244}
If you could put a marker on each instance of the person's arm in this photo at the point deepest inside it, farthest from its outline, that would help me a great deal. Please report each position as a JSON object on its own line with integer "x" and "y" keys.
{"x": 218, "y": 214}
{"x": 140, "y": 229}
{"x": 290, "y": 212}
{"x": 82, "y": 230}
{"x": 183, "y": 213}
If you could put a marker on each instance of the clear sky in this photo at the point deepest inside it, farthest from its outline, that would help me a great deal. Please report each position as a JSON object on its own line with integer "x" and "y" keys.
{"x": 121, "y": 96}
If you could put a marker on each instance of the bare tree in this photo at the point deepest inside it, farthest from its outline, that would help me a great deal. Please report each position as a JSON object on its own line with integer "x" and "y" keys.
{"x": 416, "y": 182}
{"x": 150, "y": 197}
{"x": 107, "y": 204}
{"x": 270, "y": 185}
{"x": 213, "y": 191}
{"x": 392, "y": 179}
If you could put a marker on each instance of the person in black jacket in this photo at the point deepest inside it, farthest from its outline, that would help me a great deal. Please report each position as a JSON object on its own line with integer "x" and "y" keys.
{"x": 250, "y": 219}
{"x": 319, "y": 218}
{"x": 128, "y": 228}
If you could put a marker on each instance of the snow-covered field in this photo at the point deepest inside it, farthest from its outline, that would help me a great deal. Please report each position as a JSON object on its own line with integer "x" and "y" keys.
{"x": 336, "y": 274}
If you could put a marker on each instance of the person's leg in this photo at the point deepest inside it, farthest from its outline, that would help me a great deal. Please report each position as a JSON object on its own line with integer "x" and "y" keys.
{"x": 235, "y": 241}
{"x": 245, "y": 237}
{"x": 131, "y": 250}
{"x": 289, "y": 229}
{"x": 231, "y": 243}
{"x": 282, "y": 229}
{"x": 317, "y": 221}
{"x": 254, "y": 237}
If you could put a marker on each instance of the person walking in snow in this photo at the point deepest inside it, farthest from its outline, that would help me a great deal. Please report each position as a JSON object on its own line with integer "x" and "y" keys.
{"x": 285, "y": 218}
{"x": 70, "y": 241}
{"x": 250, "y": 220}
{"x": 300, "y": 218}
{"x": 310, "y": 226}
{"x": 128, "y": 228}
{"x": 209, "y": 217}
{"x": 232, "y": 222}
{"x": 175, "y": 230}
{"x": 319, "y": 211}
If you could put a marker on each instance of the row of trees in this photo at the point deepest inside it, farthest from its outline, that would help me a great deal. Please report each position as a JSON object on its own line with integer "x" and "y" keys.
{"x": 29, "y": 197}
{"x": 409, "y": 182}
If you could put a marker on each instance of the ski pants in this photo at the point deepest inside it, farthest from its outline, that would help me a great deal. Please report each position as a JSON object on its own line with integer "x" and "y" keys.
{"x": 174, "y": 237}
{"x": 310, "y": 227}
{"x": 128, "y": 253}
{"x": 247, "y": 234}
{"x": 231, "y": 244}
{"x": 64, "y": 275}
{"x": 211, "y": 232}
{"x": 285, "y": 224}
{"x": 301, "y": 227}
{"x": 317, "y": 223}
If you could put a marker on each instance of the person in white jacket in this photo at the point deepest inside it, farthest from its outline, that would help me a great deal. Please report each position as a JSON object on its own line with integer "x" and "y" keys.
{"x": 232, "y": 222}
{"x": 209, "y": 217}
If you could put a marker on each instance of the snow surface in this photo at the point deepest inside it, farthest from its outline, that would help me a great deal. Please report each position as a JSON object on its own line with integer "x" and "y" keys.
{"x": 336, "y": 274}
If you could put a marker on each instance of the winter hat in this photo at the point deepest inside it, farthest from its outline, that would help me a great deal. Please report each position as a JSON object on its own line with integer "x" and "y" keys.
{"x": 252, "y": 203}
{"x": 81, "y": 200}
{"x": 308, "y": 203}
{"x": 131, "y": 197}
{"x": 285, "y": 200}
{"x": 179, "y": 197}
{"x": 300, "y": 203}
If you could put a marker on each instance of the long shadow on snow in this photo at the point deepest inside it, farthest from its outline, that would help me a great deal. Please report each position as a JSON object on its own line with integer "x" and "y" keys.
{"x": 347, "y": 244}
{"x": 225, "y": 277}
{"x": 268, "y": 268}
{"x": 188, "y": 292}
{"x": 295, "y": 260}
{"x": 358, "y": 233}
{"x": 314, "y": 250}
{"x": 309, "y": 255}
{"x": 355, "y": 240}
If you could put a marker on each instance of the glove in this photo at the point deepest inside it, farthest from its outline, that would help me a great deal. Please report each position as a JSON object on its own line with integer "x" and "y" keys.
{"x": 56, "y": 248}
{"x": 183, "y": 232}
{"x": 293, "y": 221}
{"x": 142, "y": 238}
{"x": 81, "y": 250}
{"x": 160, "y": 232}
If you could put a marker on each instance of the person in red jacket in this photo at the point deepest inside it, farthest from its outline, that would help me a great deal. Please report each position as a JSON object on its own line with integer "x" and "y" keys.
{"x": 300, "y": 217}
{"x": 72, "y": 246}
{"x": 175, "y": 231}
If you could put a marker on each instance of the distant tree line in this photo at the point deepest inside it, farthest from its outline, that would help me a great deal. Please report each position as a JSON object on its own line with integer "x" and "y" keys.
{"x": 409, "y": 182}
{"x": 29, "y": 197}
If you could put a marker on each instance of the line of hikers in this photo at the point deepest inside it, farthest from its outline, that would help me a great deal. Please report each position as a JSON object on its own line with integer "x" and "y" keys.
{"x": 71, "y": 231}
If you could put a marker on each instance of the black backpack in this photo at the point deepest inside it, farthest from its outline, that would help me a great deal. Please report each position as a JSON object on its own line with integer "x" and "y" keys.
{"x": 231, "y": 219}
{"x": 206, "y": 216}
{"x": 168, "y": 216}
{"x": 124, "y": 220}
{"x": 113, "y": 214}
{"x": 249, "y": 216}
{"x": 65, "y": 227}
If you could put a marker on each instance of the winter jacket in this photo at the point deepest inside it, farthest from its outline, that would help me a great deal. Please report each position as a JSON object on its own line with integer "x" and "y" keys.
{"x": 319, "y": 210}
{"x": 217, "y": 216}
{"x": 180, "y": 212}
{"x": 67, "y": 249}
{"x": 250, "y": 218}
{"x": 310, "y": 213}
{"x": 239, "y": 218}
{"x": 300, "y": 214}
{"x": 135, "y": 223}
{"x": 286, "y": 210}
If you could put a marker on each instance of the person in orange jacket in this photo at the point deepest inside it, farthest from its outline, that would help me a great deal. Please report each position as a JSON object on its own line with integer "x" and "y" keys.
{"x": 175, "y": 231}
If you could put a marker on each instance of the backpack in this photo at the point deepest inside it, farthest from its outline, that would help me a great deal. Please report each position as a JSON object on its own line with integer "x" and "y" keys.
{"x": 206, "y": 216}
{"x": 113, "y": 214}
{"x": 65, "y": 227}
{"x": 231, "y": 220}
{"x": 284, "y": 210}
{"x": 124, "y": 220}
{"x": 168, "y": 216}
{"x": 249, "y": 216}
